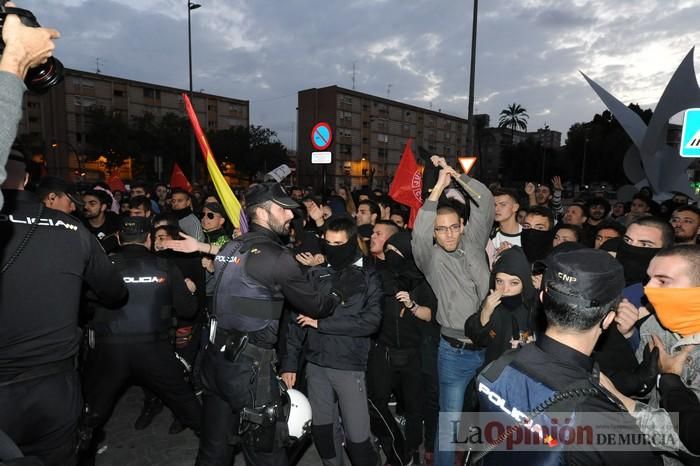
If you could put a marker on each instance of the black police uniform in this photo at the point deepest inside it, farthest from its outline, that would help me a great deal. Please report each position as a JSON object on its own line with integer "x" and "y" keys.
{"x": 40, "y": 399}
{"x": 255, "y": 273}
{"x": 134, "y": 341}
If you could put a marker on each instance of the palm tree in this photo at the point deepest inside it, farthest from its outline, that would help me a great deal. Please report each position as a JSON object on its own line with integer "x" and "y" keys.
{"x": 513, "y": 117}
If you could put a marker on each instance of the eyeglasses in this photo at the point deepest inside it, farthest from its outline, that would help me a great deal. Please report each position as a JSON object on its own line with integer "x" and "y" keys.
{"x": 209, "y": 215}
{"x": 452, "y": 228}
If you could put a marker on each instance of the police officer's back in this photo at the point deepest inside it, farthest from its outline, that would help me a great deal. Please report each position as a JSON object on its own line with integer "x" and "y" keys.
{"x": 45, "y": 256}
{"x": 135, "y": 341}
{"x": 556, "y": 375}
{"x": 255, "y": 275}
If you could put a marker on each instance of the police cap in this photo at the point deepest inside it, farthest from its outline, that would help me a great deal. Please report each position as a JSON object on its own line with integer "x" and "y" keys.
{"x": 53, "y": 184}
{"x": 584, "y": 276}
{"x": 269, "y": 191}
{"x": 135, "y": 225}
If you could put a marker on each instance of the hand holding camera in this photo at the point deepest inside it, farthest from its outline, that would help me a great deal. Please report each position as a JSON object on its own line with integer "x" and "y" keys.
{"x": 27, "y": 49}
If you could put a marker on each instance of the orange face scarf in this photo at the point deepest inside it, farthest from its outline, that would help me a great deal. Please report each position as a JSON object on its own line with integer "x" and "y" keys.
{"x": 678, "y": 309}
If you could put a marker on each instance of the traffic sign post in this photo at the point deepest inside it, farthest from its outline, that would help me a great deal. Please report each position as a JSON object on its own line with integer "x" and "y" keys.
{"x": 690, "y": 137}
{"x": 321, "y": 139}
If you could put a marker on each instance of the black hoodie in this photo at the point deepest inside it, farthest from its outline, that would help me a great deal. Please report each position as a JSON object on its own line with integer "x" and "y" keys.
{"x": 400, "y": 328}
{"x": 506, "y": 325}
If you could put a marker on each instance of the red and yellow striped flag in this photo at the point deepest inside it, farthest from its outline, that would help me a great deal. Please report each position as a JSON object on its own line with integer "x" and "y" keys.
{"x": 228, "y": 199}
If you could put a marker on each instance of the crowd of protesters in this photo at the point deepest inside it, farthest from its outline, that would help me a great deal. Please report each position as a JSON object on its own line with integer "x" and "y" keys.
{"x": 453, "y": 294}
{"x": 506, "y": 299}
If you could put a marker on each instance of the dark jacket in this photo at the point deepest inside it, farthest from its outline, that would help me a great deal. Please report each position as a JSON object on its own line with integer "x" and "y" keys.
{"x": 537, "y": 372}
{"x": 341, "y": 340}
{"x": 507, "y": 327}
{"x": 273, "y": 266}
{"x": 40, "y": 293}
{"x": 400, "y": 328}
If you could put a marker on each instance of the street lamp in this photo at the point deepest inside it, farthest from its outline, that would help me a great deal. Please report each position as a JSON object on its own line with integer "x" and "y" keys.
{"x": 191, "y": 6}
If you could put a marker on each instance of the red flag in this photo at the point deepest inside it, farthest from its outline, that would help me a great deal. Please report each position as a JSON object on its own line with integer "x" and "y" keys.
{"x": 179, "y": 180}
{"x": 408, "y": 182}
{"x": 115, "y": 183}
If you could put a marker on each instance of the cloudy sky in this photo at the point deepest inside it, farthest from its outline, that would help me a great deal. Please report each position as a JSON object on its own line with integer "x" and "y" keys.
{"x": 529, "y": 51}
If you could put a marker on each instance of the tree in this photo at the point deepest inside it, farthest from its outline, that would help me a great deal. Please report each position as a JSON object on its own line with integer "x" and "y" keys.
{"x": 514, "y": 117}
{"x": 109, "y": 135}
{"x": 604, "y": 143}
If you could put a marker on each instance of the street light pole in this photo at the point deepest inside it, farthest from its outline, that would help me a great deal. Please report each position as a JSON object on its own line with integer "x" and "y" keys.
{"x": 191, "y": 6}
{"x": 472, "y": 68}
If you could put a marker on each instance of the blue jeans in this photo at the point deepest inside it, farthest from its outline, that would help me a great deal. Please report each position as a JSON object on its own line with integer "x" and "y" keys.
{"x": 456, "y": 368}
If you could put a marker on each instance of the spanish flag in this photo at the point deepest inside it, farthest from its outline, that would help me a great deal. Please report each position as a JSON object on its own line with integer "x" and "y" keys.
{"x": 228, "y": 199}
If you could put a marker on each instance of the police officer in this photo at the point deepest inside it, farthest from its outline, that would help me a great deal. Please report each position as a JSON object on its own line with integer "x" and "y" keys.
{"x": 556, "y": 374}
{"x": 134, "y": 341}
{"x": 45, "y": 258}
{"x": 255, "y": 273}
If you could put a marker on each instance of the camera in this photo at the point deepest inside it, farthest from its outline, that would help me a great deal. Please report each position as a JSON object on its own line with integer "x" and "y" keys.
{"x": 43, "y": 77}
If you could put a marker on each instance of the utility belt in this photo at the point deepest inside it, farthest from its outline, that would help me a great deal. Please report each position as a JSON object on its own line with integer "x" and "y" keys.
{"x": 262, "y": 426}
{"x": 94, "y": 338}
{"x": 44, "y": 370}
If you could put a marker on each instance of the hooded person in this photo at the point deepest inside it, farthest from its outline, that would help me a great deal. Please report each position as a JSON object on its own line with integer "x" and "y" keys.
{"x": 506, "y": 319}
{"x": 396, "y": 360}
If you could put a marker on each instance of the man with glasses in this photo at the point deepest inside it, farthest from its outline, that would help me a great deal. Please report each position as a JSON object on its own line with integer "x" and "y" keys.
{"x": 686, "y": 224}
{"x": 457, "y": 270}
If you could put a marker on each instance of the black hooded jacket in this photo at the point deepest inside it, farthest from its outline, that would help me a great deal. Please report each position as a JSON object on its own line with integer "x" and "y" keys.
{"x": 400, "y": 328}
{"x": 506, "y": 325}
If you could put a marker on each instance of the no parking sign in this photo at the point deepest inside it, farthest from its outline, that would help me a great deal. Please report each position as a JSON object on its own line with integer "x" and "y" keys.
{"x": 321, "y": 136}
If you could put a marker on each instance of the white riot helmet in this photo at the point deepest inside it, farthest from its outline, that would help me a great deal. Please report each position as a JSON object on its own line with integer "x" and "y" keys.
{"x": 299, "y": 420}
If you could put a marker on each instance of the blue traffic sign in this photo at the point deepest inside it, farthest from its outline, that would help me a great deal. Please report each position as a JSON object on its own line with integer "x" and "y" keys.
{"x": 321, "y": 136}
{"x": 690, "y": 137}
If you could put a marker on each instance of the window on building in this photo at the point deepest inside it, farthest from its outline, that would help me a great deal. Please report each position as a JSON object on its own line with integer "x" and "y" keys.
{"x": 118, "y": 93}
{"x": 79, "y": 137}
{"x": 346, "y": 148}
{"x": 343, "y": 115}
{"x": 344, "y": 133}
{"x": 383, "y": 137}
{"x": 382, "y": 152}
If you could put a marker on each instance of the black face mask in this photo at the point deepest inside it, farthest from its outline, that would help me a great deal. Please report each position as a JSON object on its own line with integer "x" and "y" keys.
{"x": 342, "y": 256}
{"x": 635, "y": 261}
{"x": 405, "y": 273}
{"x": 182, "y": 213}
{"x": 365, "y": 231}
{"x": 536, "y": 243}
{"x": 512, "y": 302}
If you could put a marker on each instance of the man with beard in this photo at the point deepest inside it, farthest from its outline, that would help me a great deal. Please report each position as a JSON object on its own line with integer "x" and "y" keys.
{"x": 336, "y": 349}
{"x": 451, "y": 255}
{"x": 597, "y": 210}
{"x": 255, "y": 274}
{"x": 181, "y": 204}
{"x": 368, "y": 213}
{"x": 686, "y": 224}
{"x": 99, "y": 220}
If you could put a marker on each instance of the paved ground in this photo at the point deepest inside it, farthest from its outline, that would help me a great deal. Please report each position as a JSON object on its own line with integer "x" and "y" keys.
{"x": 125, "y": 446}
